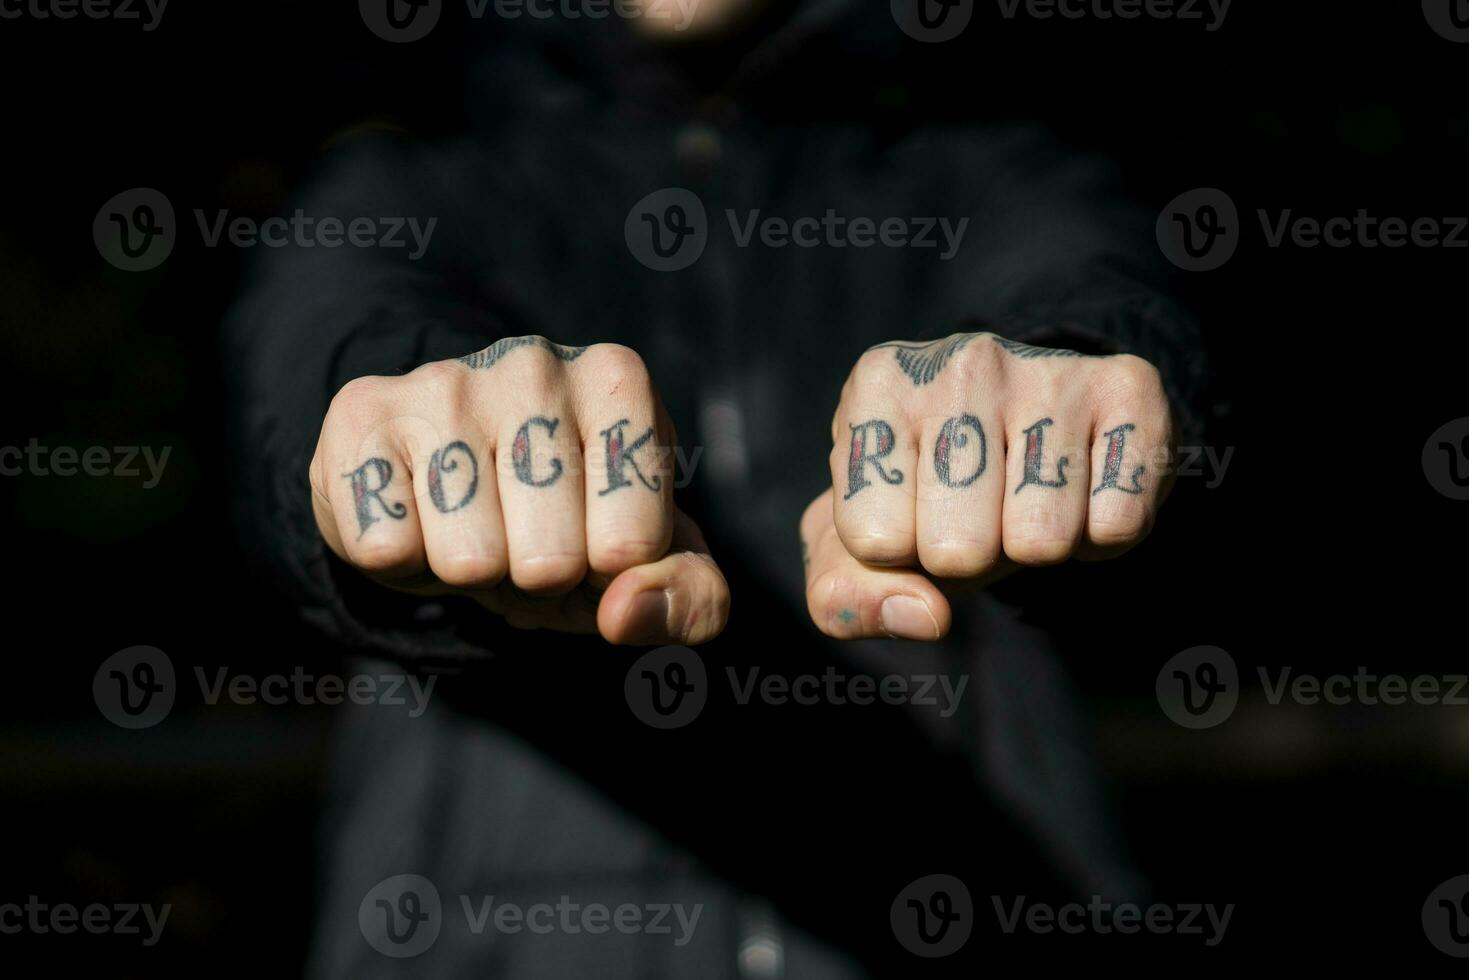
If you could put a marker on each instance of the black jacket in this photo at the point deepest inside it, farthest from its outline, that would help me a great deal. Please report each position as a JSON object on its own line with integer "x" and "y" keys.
{"x": 530, "y": 776}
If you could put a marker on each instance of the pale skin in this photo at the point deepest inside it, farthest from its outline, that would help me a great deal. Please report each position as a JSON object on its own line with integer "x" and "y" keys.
{"x": 536, "y": 479}
{"x": 957, "y": 462}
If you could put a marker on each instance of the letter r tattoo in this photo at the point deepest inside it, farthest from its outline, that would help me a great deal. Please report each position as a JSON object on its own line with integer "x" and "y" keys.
{"x": 363, "y": 495}
{"x": 861, "y": 455}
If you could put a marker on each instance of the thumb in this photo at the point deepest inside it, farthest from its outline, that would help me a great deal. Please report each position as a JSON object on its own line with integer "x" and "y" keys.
{"x": 680, "y": 598}
{"x": 852, "y": 601}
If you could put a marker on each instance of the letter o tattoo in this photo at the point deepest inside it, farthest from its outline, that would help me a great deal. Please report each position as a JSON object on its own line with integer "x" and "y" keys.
{"x": 951, "y": 437}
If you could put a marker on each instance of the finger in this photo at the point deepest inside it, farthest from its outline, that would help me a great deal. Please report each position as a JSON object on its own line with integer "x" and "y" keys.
{"x": 961, "y": 494}
{"x": 850, "y": 600}
{"x": 1132, "y": 435}
{"x": 1046, "y": 461}
{"x": 368, "y": 480}
{"x": 459, "y": 506}
{"x": 873, "y": 460}
{"x": 537, "y": 466}
{"x": 628, "y": 462}
{"x": 680, "y": 598}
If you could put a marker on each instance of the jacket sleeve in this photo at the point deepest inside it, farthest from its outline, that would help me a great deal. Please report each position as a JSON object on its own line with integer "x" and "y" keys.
{"x": 1057, "y": 254}
{"x": 309, "y": 319}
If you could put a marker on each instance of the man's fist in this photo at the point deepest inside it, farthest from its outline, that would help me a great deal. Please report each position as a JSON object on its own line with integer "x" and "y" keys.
{"x": 963, "y": 458}
{"x": 533, "y": 477}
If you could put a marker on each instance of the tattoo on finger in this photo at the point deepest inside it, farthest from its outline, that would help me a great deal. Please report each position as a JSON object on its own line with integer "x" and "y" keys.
{"x": 923, "y": 362}
{"x": 1035, "y": 440}
{"x": 365, "y": 493}
{"x": 1029, "y": 352}
{"x": 446, "y": 461}
{"x": 953, "y": 436}
{"x": 523, "y": 458}
{"x": 871, "y": 451}
{"x": 1112, "y": 464}
{"x": 619, "y": 455}
{"x": 492, "y": 354}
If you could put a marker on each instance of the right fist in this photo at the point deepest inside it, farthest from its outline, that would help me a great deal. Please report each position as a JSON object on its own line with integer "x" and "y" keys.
{"x": 533, "y": 477}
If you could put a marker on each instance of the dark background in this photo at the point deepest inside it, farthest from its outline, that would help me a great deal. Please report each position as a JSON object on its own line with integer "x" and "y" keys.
{"x": 1324, "y": 547}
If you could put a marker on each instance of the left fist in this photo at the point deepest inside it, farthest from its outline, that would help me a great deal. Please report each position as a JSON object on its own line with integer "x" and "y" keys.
{"x": 963, "y": 458}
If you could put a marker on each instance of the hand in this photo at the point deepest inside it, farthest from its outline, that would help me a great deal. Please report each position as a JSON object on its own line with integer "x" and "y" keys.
{"x": 957, "y": 461}
{"x": 533, "y": 477}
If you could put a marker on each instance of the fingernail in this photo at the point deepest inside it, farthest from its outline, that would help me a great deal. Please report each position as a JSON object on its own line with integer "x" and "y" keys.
{"x": 647, "y": 617}
{"x": 908, "y": 618}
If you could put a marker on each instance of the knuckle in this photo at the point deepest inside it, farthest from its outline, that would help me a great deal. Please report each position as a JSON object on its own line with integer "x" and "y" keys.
{"x": 880, "y": 547}
{"x": 958, "y": 559}
{"x": 1038, "y": 547}
{"x": 970, "y": 369}
{"x": 470, "y": 571}
{"x": 706, "y": 627}
{"x": 435, "y": 383}
{"x": 873, "y": 361}
{"x": 1122, "y": 526}
{"x": 701, "y": 608}
{"x": 1130, "y": 378}
{"x": 874, "y": 373}
{"x": 1050, "y": 387}
{"x": 543, "y": 372}
{"x": 1111, "y": 534}
{"x": 618, "y": 554}
{"x": 548, "y": 573}
{"x": 618, "y": 368}
{"x": 384, "y": 557}
{"x": 358, "y": 402}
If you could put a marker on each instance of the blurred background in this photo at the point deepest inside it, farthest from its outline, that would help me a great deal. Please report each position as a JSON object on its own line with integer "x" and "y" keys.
{"x": 1324, "y": 547}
